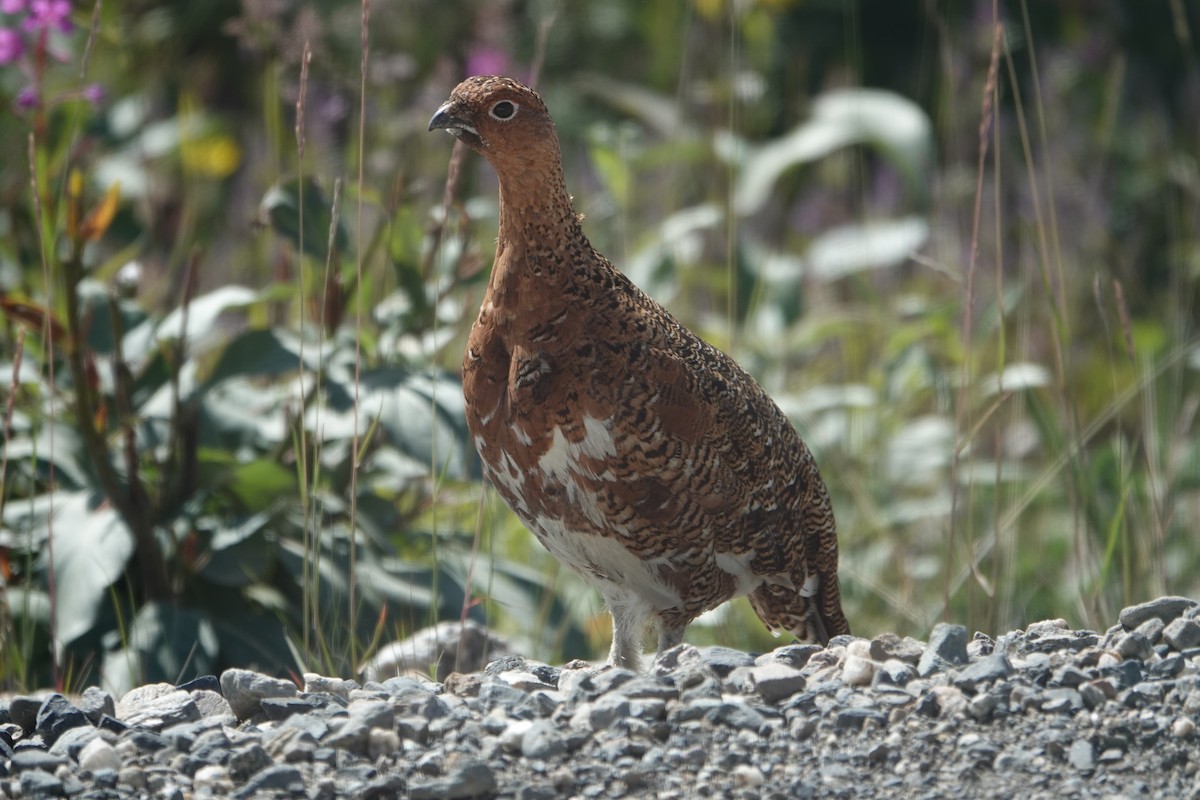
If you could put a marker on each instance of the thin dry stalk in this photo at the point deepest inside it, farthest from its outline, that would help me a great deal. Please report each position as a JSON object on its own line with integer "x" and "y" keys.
{"x": 352, "y": 584}
{"x": 960, "y": 411}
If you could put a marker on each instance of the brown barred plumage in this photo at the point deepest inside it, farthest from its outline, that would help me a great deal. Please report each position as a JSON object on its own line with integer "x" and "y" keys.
{"x": 642, "y": 457}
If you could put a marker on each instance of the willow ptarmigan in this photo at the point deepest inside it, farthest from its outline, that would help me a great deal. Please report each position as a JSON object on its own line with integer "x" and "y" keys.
{"x": 642, "y": 457}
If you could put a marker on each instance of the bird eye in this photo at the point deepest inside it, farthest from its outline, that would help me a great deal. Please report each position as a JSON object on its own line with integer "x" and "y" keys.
{"x": 504, "y": 110}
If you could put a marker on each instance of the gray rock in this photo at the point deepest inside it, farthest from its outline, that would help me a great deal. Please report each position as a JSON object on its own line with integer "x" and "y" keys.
{"x": 724, "y": 660}
{"x": 854, "y": 719}
{"x": 352, "y": 736}
{"x": 947, "y": 647}
{"x": 1135, "y": 645}
{"x": 245, "y": 690}
{"x": 1165, "y": 608}
{"x": 736, "y": 715}
{"x": 36, "y": 783}
{"x": 775, "y": 681}
{"x": 894, "y": 672}
{"x": 32, "y": 758}
{"x": 985, "y": 671}
{"x": 211, "y": 704}
{"x": 889, "y": 645}
{"x": 247, "y": 760}
{"x": 99, "y": 754}
{"x": 1082, "y": 755}
{"x": 23, "y": 711}
{"x": 542, "y": 741}
{"x": 469, "y": 779}
{"x": 95, "y": 703}
{"x": 157, "y": 706}
{"x": 1152, "y": 629}
{"x": 71, "y": 741}
{"x": 793, "y": 655}
{"x": 279, "y": 778}
{"x": 1182, "y": 633}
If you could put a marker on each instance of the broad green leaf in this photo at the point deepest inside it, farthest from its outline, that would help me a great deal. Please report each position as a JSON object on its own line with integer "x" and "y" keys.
{"x": 896, "y": 126}
{"x": 200, "y": 317}
{"x": 282, "y": 206}
{"x": 264, "y": 353}
{"x": 91, "y": 548}
{"x": 876, "y": 244}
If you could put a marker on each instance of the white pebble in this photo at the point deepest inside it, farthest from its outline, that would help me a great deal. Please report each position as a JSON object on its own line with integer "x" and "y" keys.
{"x": 1183, "y": 727}
{"x": 747, "y": 775}
{"x": 99, "y": 754}
{"x": 858, "y": 671}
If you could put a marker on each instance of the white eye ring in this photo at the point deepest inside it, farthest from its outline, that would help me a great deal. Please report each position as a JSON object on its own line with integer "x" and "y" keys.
{"x": 503, "y": 105}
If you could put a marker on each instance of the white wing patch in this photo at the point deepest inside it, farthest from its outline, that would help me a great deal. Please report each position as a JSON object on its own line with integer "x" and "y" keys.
{"x": 563, "y": 456}
{"x": 606, "y": 563}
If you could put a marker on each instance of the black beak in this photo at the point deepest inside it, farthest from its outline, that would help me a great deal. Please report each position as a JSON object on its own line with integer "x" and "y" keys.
{"x": 445, "y": 119}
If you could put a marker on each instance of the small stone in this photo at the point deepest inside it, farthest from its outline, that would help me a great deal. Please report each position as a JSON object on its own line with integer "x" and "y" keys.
{"x": 855, "y": 719}
{"x": 1165, "y": 608}
{"x": 748, "y": 776}
{"x": 32, "y": 758}
{"x": 542, "y": 740}
{"x": 1183, "y": 728}
{"x": 984, "y": 671}
{"x": 99, "y": 754}
{"x": 889, "y": 645}
{"x": 212, "y": 780}
{"x": 211, "y": 704}
{"x": 38, "y": 783}
{"x": 1064, "y": 700}
{"x": 1135, "y": 645}
{"x": 157, "y": 706}
{"x": 247, "y": 760}
{"x": 95, "y": 703}
{"x": 1182, "y": 633}
{"x": 1151, "y": 629}
{"x": 776, "y": 681}
{"x": 382, "y": 742}
{"x": 245, "y": 690}
{"x": 23, "y": 711}
{"x": 280, "y": 778}
{"x": 793, "y": 655}
{"x": 947, "y": 647}
{"x": 337, "y": 687}
{"x": 724, "y": 660}
{"x": 894, "y": 672}
{"x": 471, "y": 779}
{"x": 1082, "y": 756}
{"x": 1093, "y": 696}
{"x": 858, "y": 671}
{"x": 980, "y": 646}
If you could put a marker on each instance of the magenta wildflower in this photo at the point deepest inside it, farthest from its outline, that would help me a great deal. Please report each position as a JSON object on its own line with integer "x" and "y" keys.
{"x": 27, "y": 98}
{"x": 93, "y": 93}
{"x": 487, "y": 60}
{"x": 12, "y": 6}
{"x": 12, "y": 46}
{"x": 45, "y": 14}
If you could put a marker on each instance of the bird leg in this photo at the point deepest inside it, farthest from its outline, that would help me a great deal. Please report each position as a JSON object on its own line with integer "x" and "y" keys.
{"x": 629, "y": 623}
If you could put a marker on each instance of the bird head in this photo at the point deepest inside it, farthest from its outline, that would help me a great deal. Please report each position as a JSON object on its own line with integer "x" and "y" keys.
{"x": 500, "y": 118}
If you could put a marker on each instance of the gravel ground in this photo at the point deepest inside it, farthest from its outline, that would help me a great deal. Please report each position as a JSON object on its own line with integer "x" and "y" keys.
{"x": 1047, "y": 712}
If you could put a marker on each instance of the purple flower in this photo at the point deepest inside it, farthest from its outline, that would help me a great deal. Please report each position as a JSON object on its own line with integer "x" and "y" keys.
{"x": 12, "y": 6}
{"x": 49, "y": 14}
{"x": 11, "y": 45}
{"x": 27, "y": 98}
{"x": 487, "y": 60}
{"x": 94, "y": 94}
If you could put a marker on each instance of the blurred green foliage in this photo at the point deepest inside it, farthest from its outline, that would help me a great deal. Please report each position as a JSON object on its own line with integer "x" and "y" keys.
{"x": 232, "y": 426}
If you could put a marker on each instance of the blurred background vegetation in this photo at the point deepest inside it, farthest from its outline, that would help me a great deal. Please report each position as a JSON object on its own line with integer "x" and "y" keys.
{"x": 958, "y": 241}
